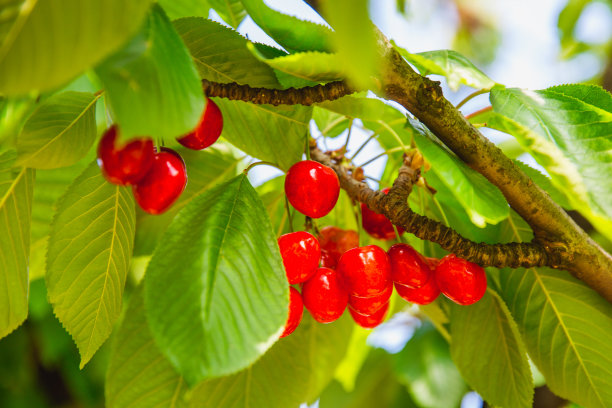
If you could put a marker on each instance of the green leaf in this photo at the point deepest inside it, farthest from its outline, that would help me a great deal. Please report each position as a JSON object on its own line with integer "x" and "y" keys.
{"x": 89, "y": 253}
{"x": 290, "y": 32}
{"x": 368, "y": 109}
{"x": 568, "y": 18}
{"x": 274, "y": 134}
{"x": 138, "y": 373}
{"x": 44, "y": 44}
{"x": 15, "y": 208}
{"x": 568, "y": 130}
{"x": 215, "y": 289}
{"x": 355, "y": 40}
{"x": 231, "y": 11}
{"x": 49, "y": 186}
{"x": 456, "y": 68}
{"x": 426, "y": 368}
{"x": 356, "y": 354}
{"x": 484, "y": 335}
{"x": 482, "y": 200}
{"x": 59, "y": 132}
{"x": 312, "y": 65}
{"x": 221, "y": 54}
{"x": 295, "y": 370}
{"x": 204, "y": 170}
{"x": 151, "y": 84}
{"x": 567, "y": 329}
{"x": 185, "y": 8}
{"x": 329, "y": 123}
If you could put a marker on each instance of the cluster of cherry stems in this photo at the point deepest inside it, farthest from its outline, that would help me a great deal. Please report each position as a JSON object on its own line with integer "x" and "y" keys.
{"x": 333, "y": 271}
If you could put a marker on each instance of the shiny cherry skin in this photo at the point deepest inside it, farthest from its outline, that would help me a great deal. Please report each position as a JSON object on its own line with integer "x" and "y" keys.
{"x": 365, "y": 270}
{"x": 312, "y": 188}
{"x": 408, "y": 267}
{"x": 337, "y": 241}
{"x": 124, "y": 165}
{"x": 370, "y": 321}
{"x": 461, "y": 281}
{"x": 327, "y": 261}
{"x": 163, "y": 184}
{"x": 296, "y": 310}
{"x": 372, "y": 304}
{"x": 208, "y": 129}
{"x": 325, "y": 295}
{"x": 422, "y": 296}
{"x": 377, "y": 225}
{"x": 301, "y": 253}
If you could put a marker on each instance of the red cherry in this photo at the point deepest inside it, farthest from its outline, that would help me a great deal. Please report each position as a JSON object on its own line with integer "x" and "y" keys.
{"x": 127, "y": 164}
{"x": 422, "y": 296}
{"x": 312, "y": 188}
{"x": 408, "y": 267}
{"x": 366, "y": 270}
{"x": 327, "y": 261}
{"x": 301, "y": 253}
{"x": 296, "y": 309}
{"x": 377, "y": 225}
{"x": 325, "y": 295}
{"x": 372, "y": 304}
{"x": 337, "y": 241}
{"x": 370, "y": 321}
{"x": 208, "y": 129}
{"x": 461, "y": 281}
{"x": 432, "y": 262}
{"x": 163, "y": 184}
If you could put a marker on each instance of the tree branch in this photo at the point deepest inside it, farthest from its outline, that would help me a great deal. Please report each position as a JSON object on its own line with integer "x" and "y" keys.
{"x": 395, "y": 207}
{"x": 290, "y": 96}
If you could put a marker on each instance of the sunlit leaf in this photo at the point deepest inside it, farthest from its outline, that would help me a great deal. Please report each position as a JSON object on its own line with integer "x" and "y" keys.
{"x": 89, "y": 251}
{"x": 215, "y": 290}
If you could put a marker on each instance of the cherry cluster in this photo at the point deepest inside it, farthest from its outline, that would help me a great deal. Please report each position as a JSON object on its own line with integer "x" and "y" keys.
{"x": 335, "y": 272}
{"x": 157, "y": 176}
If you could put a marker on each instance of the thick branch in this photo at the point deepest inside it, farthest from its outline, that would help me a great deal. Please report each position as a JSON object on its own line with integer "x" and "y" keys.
{"x": 394, "y": 206}
{"x": 291, "y": 96}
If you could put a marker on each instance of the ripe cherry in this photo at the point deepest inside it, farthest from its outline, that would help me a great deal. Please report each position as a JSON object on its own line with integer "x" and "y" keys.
{"x": 422, "y": 296}
{"x": 366, "y": 270}
{"x": 312, "y": 188}
{"x": 126, "y": 164}
{"x": 372, "y": 304}
{"x": 296, "y": 309}
{"x": 370, "y": 321}
{"x": 461, "y": 281}
{"x": 336, "y": 242}
{"x": 377, "y": 225}
{"x": 408, "y": 267}
{"x": 301, "y": 253}
{"x": 163, "y": 183}
{"x": 208, "y": 129}
{"x": 327, "y": 261}
{"x": 325, "y": 295}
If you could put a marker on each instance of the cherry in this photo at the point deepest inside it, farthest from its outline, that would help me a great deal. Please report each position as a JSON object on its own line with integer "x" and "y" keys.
{"x": 301, "y": 253}
{"x": 327, "y": 260}
{"x": 296, "y": 309}
{"x": 408, "y": 267}
{"x": 336, "y": 241}
{"x": 208, "y": 129}
{"x": 325, "y": 295}
{"x": 422, "y": 296}
{"x": 163, "y": 183}
{"x": 377, "y": 225}
{"x": 370, "y": 321}
{"x": 366, "y": 270}
{"x": 372, "y": 304}
{"x": 461, "y": 281}
{"x": 127, "y": 164}
{"x": 312, "y": 188}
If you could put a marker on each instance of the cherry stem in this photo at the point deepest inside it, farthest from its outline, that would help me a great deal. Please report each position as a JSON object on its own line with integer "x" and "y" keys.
{"x": 397, "y": 234}
{"x": 359, "y": 225}
{"x": 395, "y": 135}
{"x": 479, "y": 112}
{"x": 250, "y": 166}
{"x": 437, "y": 203}
{"x": 471, "y": 96}
{"x": 385, "y": 153}
{"x": 307, "y": 146}
{"x": 348, "y": 137}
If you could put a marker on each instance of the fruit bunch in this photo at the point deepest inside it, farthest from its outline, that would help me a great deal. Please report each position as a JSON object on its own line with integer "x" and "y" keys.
{"x": 335, "y": 272}
{"x": 157, "y": 176}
